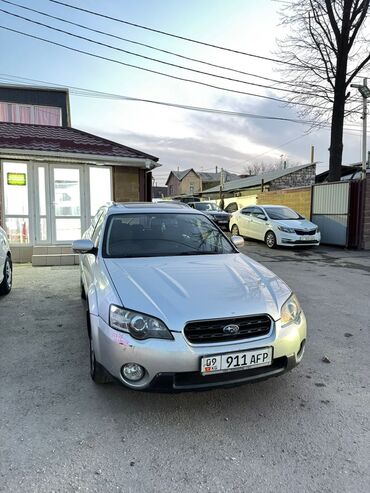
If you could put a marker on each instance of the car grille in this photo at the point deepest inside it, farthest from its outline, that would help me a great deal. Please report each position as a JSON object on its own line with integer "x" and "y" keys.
{"x": 212, "y": 331}
{"x": 220, "y": 217}
{"x": 301, "y": 232}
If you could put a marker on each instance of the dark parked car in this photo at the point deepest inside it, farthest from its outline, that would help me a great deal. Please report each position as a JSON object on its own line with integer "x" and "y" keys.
{"x": 220, "y": 217}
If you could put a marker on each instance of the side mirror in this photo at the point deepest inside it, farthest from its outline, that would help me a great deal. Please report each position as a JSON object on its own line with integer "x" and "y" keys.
{"x": 262, "y": 217}
{"x": 238, "y": 241}
{"x": 83, "y": 246}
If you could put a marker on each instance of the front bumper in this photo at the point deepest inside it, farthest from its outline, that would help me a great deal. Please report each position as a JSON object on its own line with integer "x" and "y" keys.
{"x": 174, "y": 365}
{"x": 292, "y": 239}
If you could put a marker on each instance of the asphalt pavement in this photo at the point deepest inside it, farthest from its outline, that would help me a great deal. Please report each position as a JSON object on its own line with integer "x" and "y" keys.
{"x": 308, "y": 430}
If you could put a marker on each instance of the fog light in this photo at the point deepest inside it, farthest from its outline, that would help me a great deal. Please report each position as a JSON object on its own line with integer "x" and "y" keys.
{"x": 132, "y": 371}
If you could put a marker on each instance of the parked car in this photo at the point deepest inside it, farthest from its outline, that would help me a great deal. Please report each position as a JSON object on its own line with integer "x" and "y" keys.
{"x": 6, "y": 267}
{"x": 172, "y": 305}
{"x": 220, "y": 217}
{"x": 275, "y": 225}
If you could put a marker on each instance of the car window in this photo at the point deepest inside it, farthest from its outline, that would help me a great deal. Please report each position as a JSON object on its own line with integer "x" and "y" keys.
{"x": 162, "y": 234}
{"x": 232, "y": 207}
{"x": 206, "y": 206}
{"x": 258, "y": 212}
{"x": 247, "y": 211}
{"x": 282, "y": 213}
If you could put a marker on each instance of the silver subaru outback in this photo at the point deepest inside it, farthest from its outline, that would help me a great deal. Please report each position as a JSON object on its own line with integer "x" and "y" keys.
{"x": 172, "y": 305}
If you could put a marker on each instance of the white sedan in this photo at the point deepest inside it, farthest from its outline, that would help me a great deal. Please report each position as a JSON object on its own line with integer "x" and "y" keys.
{"x": 5, "y": 264}
{"x": 275, "y": 225}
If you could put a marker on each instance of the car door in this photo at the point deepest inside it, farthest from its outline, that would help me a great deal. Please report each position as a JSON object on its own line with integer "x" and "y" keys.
{"x": 258, "y": 223}
{"x": 244, "y": 217}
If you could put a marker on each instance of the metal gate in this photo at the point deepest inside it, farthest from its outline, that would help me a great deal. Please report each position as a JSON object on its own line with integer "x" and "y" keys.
{"x": 330, "y": 206}
{"x": 336, "y": 209}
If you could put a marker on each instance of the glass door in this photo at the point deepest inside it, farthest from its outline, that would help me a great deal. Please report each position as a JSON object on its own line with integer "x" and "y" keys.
{"x": 66, "y": 204}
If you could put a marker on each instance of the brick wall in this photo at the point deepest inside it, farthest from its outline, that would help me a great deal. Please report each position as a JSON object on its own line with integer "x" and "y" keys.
{"x": 301, "y": 178}
{"x": 298, "y": 199}
{"x": 366, "y": 235}
{"x": 126, "y": 184}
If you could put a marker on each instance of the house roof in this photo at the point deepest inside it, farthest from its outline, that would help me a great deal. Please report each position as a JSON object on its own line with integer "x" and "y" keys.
{"x": 205, "y": 177}
{"x": 255, "y": 181}
{"x": 45, "y": 138}
{"x": 348, "y": 172}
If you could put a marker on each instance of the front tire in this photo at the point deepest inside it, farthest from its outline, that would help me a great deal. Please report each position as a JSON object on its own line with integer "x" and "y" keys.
{"x": 97, "y": 371}
{"x": 270, "y": 239}
{"x": 83, "y": 292}
{"x": 6, "y": 285}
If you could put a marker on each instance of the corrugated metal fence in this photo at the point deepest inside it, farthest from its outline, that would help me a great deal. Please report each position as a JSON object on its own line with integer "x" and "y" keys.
{"x": 336, "y": 210}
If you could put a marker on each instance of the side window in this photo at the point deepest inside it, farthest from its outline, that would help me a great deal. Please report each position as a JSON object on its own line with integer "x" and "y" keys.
{"x": 232, "y": 207}
{"x": 247, "y": 211}
{"x": 258, "y": 213}
{"x": 96, "y": 234}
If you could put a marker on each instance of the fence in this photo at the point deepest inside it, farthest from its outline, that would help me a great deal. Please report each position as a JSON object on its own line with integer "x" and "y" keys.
{"x": 337, "y": 208}
{"x": 298, "y": 199}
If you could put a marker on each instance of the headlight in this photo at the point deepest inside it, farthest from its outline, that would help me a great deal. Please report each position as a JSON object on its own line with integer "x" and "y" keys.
{"x": 286, "y": 230}
{"x": 138, "y": 325}
{"x": 290, "y": 311}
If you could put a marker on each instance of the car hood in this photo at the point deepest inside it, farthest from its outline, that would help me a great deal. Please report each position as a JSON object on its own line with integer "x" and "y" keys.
{"x": 296, "y": 224}
{"x": 179, "y": 289}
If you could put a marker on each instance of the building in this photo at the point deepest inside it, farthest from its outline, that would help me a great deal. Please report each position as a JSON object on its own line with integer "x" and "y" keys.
{"x": 189, "y": 181}
{"x": 54, "y": 177}
{"x": 297, "y": 176}
{"x": 159, "y": 192}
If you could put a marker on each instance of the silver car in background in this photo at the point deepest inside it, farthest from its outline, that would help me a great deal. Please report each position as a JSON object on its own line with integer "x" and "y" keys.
{"x": 172, "y": 305}
{"x": 6, "y": 267}
{"x": 275, "y": 225}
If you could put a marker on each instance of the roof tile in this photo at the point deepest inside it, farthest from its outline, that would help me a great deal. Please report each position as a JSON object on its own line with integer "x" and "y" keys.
{"x": 27, "y": 137}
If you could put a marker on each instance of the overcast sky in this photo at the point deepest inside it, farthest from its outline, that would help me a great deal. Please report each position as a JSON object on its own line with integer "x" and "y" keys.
{"x": 180, "y": 138}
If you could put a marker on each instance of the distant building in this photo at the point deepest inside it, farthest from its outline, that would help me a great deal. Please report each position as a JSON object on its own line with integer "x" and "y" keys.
{"x": 159, "y": 192}
{"x": 190, "y": 182}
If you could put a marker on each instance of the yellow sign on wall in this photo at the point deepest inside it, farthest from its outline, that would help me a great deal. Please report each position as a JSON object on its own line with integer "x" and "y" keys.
{"x": 16, "y": 179}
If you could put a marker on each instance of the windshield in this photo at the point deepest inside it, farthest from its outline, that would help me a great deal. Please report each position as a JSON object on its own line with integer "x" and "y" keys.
{"x": 162, "y": 234}
{"x": 281, "y": 213}
{"x": 206, "y": 206}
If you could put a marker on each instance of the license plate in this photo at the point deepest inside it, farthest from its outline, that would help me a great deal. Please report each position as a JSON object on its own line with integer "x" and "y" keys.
{"x": 306, "y": 238}
{"x": 241, "y": 360}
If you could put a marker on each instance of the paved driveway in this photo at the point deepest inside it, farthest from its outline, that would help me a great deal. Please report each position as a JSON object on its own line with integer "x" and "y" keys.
{"x": 306, "y": 430}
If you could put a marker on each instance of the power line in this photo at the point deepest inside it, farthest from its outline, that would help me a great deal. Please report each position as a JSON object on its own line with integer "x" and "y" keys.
{"x": 165, "y": 33}
{"x": 153, "y": 59}
{"x": 197, "y": 60}
{"x": 104, "y": 95}
{"x": 113, "y": 60}
{"x": 83, "y": 92}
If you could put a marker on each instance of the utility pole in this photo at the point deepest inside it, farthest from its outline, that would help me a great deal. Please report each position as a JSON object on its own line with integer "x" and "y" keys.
{"x": 365, "y": 93}
{"x": 222, "y": 189}
{"x": 312, "y": 160}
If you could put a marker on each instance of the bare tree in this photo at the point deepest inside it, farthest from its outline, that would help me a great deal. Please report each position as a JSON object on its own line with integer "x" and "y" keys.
{"x": 261, "y": 168}
{"x": 326, "y": 48}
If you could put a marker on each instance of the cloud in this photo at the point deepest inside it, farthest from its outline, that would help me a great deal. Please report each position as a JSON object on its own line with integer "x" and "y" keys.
{"x": 234, "y": 142}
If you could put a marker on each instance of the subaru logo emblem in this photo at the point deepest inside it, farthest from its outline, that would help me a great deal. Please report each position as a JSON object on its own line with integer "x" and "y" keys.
{"x": 231, "y": 329}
